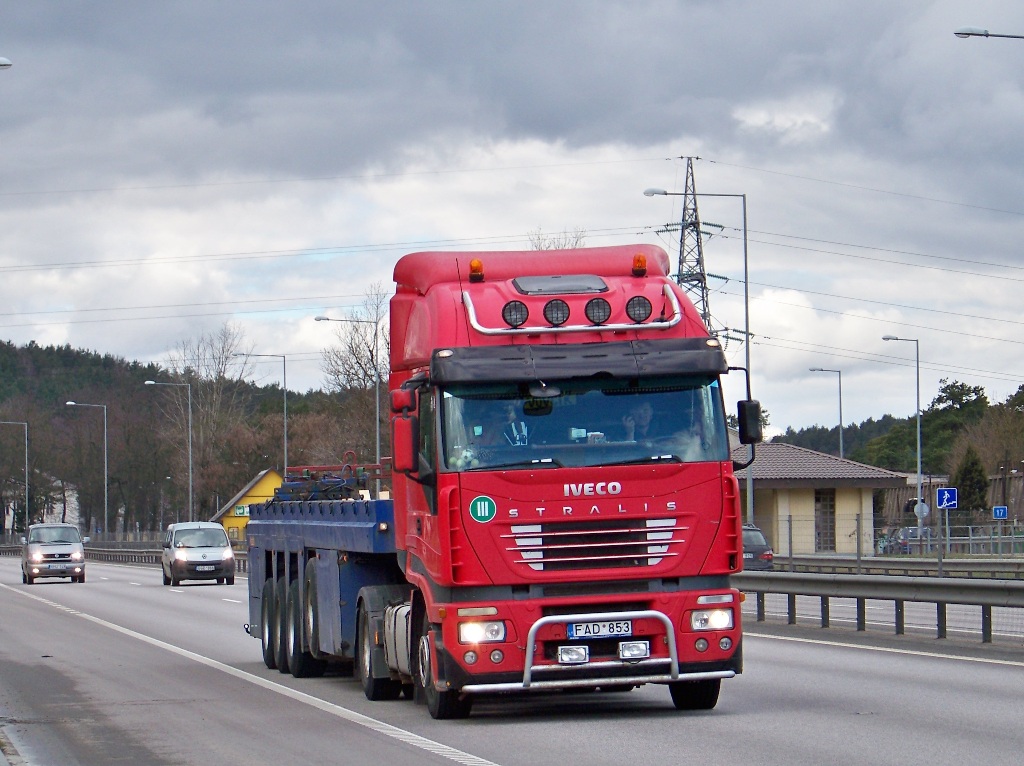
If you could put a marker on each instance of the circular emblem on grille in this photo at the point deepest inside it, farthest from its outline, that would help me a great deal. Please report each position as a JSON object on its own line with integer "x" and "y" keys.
{"x": 483, "y": 509}
{"x": 204, "y": 555}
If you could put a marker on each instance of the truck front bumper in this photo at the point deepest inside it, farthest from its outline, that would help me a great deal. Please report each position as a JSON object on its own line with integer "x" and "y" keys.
{"x": 592, "y": 674}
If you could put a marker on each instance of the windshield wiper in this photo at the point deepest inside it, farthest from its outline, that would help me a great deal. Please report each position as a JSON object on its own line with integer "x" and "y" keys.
{"x": 649, "y": 459}
{"x": 546, "y": 462}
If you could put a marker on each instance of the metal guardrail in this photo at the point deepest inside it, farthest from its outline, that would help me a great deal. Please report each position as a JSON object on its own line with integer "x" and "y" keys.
{"x": 908, "y": 565}
{"x": 985, "y": 593}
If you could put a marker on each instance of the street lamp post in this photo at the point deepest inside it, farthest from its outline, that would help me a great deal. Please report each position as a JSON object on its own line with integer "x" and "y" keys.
{"x": 376, "y": 376}
{"x": 965, "y": 32}
{"x": 840, "y": 374}
{"x": 920, "y": 509}
{"x": 284, "y": 385}
{"x": 106, "y": 529}
{"x": 746, "y": 315}
{"x": 21, "y": 423}
{"x": 191, "y": 507}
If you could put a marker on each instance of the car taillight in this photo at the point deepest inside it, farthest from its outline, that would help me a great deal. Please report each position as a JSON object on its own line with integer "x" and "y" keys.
{"x": 767, "y": 556}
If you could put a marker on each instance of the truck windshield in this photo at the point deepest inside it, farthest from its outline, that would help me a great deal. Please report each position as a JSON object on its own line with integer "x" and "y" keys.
{"x": 588, "y": 423}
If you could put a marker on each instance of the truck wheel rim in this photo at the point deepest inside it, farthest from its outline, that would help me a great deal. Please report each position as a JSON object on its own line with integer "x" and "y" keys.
{"x": 424, "y": 657}
{"x": 365, "y": 658}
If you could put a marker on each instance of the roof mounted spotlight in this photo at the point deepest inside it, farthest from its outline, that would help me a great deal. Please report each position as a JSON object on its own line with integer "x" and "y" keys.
{"x": 556, "y": 312}
{"x": 639, "y": 309}
{"x": 515, "y": 313}
{"x": 598, "y": 310}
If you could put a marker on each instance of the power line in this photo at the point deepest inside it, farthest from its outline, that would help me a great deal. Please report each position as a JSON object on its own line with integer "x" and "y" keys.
{"x": 868, "y": 188}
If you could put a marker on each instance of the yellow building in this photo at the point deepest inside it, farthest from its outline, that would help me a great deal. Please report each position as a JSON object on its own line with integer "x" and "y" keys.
{"x": 234, "y": 515}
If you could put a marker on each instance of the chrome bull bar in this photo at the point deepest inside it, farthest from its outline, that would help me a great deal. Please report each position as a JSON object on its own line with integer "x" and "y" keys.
{"x": 672, "y": 661}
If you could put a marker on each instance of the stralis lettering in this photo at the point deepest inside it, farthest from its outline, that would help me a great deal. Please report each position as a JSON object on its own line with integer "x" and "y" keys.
{"x": 593, "y": 488}
{"x": 634, "y": 506}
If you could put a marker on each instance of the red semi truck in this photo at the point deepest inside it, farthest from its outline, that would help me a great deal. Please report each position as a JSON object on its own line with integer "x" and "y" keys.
{"x": 564, "y": 513}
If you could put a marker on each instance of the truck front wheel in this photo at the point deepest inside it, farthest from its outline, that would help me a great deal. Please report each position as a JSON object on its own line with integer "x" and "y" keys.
{"x": 373, "y": 688}
{"x": 695, "y": 695}
{"x": 441, "y": 704}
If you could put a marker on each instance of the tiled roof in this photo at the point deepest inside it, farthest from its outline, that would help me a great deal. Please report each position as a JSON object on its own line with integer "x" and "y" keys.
{"x": 777, "y": 464}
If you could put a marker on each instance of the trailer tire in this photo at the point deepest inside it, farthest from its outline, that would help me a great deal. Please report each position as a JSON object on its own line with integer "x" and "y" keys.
{"x": 281, "y": 613}
{"x": 695, "y": 695}
{"x": 311, "y": 611}
{"x": 268, "y": 625}
{"x": 373, "y": 688}
{"x": 301, "y": 663}
{"x": 442, "y": 705}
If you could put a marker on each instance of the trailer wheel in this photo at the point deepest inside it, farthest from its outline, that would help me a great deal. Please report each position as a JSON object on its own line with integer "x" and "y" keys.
{"x": 695, "y": 695}
{"x": 281, "y": 613}
{"x": 373, "y": 688}
{"x": 441, "y": 704}
{"x": 311, "y": 611}
{"x": 268, "y": 625}
{"x": 301, "y": 663}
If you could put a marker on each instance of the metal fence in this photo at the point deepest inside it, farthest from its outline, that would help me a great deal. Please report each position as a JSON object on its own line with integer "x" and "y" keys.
{"x": 983, "y": 594}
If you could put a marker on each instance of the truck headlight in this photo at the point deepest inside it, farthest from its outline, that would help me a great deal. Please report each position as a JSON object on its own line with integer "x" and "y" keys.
{"x": 228, "y": 554}
{"x": 37, "y": 557}
{"x": 76, "y": 556}
{"x": 180, "y": 555}
{"x": 711, "y": 619}
{"x": 481, "y": 632}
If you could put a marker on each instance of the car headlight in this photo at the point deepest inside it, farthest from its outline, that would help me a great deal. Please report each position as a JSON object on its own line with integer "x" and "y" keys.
{"x": 77, "y": 556}
{"x": 180, "y": 555}
{"x": 229, "y": 554}
{"x": 481, "y": 632}
{"x": 711, "y": 619}
{"x": 37, "y": 557}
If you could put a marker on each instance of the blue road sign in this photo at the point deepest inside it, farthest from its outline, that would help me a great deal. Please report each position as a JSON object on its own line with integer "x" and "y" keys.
{"x": 999, "y": 512}
{"x": 946, "y": 498}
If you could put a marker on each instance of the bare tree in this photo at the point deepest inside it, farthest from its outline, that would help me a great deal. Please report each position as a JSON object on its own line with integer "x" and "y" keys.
{"x": 210, "y": 365}
{"x": 356, "y": 369}
{"x": 565, "y": 241}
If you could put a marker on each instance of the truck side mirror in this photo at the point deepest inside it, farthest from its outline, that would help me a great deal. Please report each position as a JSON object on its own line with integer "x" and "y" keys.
{"x": 403, "y": 399}
{"x": 405, "y": 440}
{"x": 749, "y": 421}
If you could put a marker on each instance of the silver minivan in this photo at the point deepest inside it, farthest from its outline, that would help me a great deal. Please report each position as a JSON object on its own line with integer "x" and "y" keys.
{"x": 197, "y": 550}
{"x": 53, "y": 550}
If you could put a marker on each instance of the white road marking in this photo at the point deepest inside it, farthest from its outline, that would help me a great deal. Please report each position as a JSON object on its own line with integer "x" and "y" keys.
{"x": 407, "y": 737}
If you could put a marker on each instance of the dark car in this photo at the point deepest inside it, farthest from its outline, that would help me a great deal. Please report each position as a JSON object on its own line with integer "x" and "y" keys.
{"x": 757, "y": 553}
{"x": 53, "y": 550}
{"x": 908, "y": 540}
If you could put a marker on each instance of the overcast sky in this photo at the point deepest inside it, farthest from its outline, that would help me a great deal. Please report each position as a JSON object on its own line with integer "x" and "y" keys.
{"x": 167, "y": 167}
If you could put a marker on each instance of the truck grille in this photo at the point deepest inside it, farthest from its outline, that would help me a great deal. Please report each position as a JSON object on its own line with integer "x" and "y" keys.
{"x": 620, "y": 543}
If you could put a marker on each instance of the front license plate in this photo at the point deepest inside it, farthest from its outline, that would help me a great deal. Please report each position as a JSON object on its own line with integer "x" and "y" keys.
{"x": 205, "y": 568}
{"x": 602, "y": 629}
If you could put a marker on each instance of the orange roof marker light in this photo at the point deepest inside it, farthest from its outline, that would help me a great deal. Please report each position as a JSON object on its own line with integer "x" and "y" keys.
{"x": 639, "y": 265}
{"x": 476, "y": 270}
